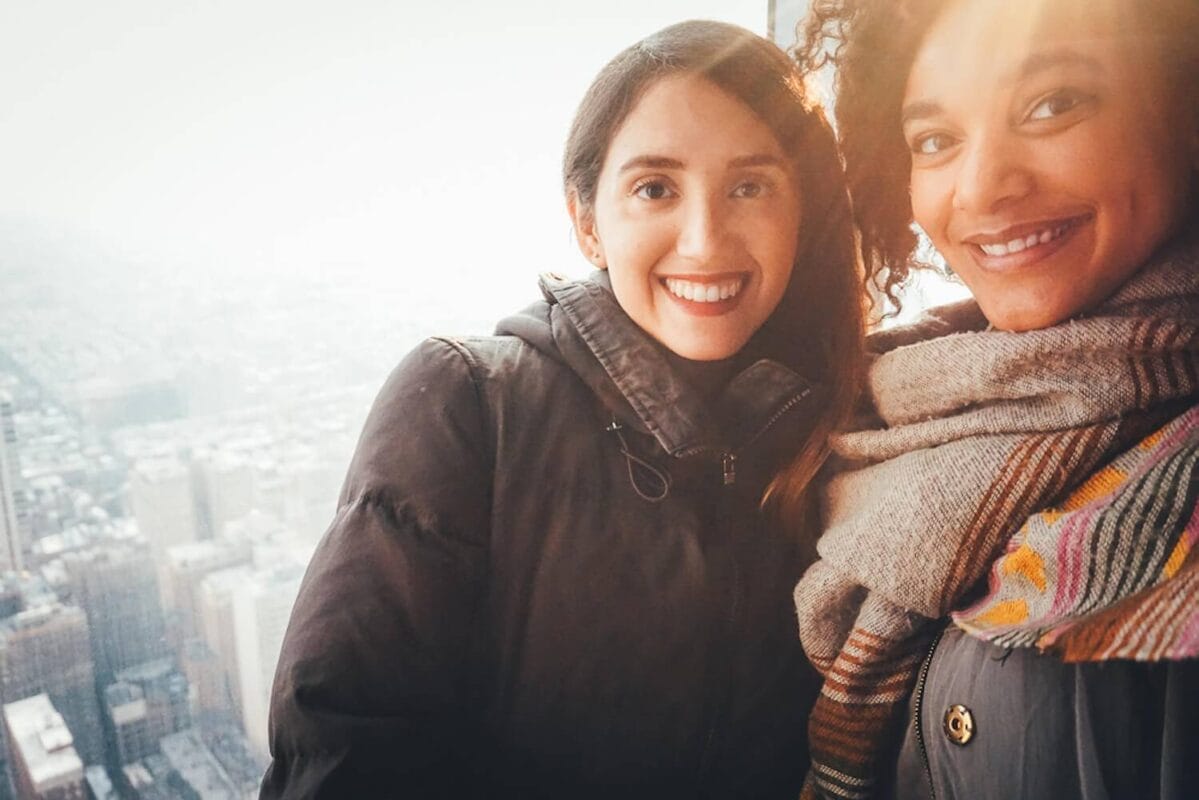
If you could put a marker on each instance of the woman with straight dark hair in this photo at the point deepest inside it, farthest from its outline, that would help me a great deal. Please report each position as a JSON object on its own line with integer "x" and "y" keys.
{"x": 1007, "y": 601}
{"x": 552, "y": 572}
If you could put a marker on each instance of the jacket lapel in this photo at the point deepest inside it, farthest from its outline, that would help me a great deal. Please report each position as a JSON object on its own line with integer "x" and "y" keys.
{"x": 636, "y": 382}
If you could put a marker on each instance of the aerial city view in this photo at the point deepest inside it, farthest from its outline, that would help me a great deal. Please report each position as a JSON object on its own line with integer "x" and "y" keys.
{"x": 166, "y": 468}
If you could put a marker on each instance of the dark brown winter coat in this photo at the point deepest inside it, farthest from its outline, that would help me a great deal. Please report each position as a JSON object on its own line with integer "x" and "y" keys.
{"x": 549, "y": 575}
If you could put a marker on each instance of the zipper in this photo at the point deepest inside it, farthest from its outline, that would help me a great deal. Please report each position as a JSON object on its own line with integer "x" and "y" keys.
{"x": 728, "y": 473}
{"x": 916, "y": 714}
{"x": 728, "y": 461}
{"x": 714, "y": 742}
{"x": 783, "y": 409}
{"x": 728, "y": 468}
{"x": 728, "y": 458}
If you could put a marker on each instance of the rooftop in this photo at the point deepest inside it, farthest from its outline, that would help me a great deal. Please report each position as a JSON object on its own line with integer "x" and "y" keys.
{"x": 44, "y": 742}
{"x": 38, "y": 616}
{"x": 192, "y": 759}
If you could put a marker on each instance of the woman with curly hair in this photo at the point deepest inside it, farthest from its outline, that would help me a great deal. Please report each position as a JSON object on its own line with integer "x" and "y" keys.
{"x": 1007, "y": 598}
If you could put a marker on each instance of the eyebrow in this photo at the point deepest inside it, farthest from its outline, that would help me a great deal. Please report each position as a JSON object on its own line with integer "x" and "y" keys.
{"x": 757, "y": 160}
{"x": 652, "y": 162}
{"x": 1039, "y": 62}
{"x": 664, "y": 162}
{"x": 921, "y": 109}
{"x": 1035, "y": 63}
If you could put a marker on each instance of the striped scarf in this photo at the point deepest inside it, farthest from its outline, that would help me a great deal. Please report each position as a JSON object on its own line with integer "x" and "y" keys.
{"x": 1063, "y": 461}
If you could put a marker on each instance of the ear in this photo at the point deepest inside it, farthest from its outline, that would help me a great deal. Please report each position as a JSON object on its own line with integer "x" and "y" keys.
{"x": 583, "y": 219}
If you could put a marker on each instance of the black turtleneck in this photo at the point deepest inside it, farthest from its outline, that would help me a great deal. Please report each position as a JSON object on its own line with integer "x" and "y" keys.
{"x": 708, "y": 378}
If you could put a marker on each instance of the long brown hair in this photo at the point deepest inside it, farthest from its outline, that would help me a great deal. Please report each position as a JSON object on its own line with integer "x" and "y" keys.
{"x": 820, "y": 316}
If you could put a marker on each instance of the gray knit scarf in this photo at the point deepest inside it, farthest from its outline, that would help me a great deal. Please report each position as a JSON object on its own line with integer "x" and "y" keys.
{"x": 972, "y": 434}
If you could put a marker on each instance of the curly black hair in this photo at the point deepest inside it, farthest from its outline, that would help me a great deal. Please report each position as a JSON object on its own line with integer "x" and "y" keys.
{"x": 871, "y": 44}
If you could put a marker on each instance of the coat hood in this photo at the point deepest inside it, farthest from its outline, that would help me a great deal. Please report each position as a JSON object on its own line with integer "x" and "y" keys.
{"x": 580, "y": 323}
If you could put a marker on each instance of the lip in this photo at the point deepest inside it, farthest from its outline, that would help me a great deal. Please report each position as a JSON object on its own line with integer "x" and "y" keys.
{"x": 704, "y": 309}
{"x": 1031, "y": 255}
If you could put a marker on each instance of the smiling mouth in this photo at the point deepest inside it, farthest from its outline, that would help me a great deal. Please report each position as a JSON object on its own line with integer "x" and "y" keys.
{"x": 1034, "y": 240}
{"x": 709, "y": 291}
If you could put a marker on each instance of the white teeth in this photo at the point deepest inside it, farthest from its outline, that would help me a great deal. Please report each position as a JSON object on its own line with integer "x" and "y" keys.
{"x": 1016, "y": 245}
{"x": 704, "y": 292}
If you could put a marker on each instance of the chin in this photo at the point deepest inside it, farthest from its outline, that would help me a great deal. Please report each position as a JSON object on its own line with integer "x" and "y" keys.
{"x": 703, "y": 351}
{"x": 1025, "y": 318}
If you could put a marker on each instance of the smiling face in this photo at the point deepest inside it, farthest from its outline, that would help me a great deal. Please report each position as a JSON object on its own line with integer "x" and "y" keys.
{"x": 696, "y": 218}
{"x": 1049, "y": 163}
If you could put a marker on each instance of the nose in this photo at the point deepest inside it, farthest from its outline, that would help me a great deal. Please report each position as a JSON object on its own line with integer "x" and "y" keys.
{"x": 992, "y": 172}
{"x": 704, "y": 228}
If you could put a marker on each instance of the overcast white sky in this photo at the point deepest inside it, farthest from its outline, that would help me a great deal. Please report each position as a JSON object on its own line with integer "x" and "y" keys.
{"x": 414, "y": 141}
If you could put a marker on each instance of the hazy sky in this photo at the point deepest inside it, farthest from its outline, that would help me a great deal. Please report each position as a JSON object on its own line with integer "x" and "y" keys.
{"x": 413, "y": 141}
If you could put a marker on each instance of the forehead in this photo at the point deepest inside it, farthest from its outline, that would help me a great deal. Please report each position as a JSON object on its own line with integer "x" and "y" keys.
{"x": 691, "y": 113}
{"x": 1001, "y": 39}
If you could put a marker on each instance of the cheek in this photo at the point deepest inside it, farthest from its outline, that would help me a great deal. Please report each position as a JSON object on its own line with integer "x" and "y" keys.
{"x": 773, "y": 238}
{"x": 931, "y": 200}
{"x": 626, "y": 241}
{"x": 632, "y": 250}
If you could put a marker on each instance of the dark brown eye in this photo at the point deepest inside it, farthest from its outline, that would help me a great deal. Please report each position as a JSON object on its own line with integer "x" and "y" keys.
{"x": 652, "y": 190}
{"x": 931, "y": 144}
{"x": 1056, "y": 104}
{"x": 749, "y": 190}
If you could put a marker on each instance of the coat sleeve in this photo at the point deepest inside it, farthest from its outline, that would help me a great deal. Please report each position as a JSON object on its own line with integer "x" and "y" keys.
{"x": 370, "y": 693}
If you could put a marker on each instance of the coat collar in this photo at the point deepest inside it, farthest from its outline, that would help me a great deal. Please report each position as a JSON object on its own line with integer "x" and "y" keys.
{"x": 637, "y": 383}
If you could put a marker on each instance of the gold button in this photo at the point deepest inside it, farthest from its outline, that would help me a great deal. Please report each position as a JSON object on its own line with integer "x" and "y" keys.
{"x": 959, "y": 724}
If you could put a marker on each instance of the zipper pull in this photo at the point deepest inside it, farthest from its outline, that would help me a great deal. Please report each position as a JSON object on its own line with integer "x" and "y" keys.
{"x": 728, "y": 466}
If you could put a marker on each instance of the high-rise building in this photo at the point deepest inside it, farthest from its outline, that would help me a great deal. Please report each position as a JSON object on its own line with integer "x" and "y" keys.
{"x": 146, "y": 703}
{"x": 164, "y": 503}
{"x": 12, "y": 535}
{"x": 183, "y": 567}
{"x": 41, "y": 752}
{"x": 301, "y": 491}
{"x": 208, "y": 684}
{"x": 272, "y": 542}
{"x": 261, "y": 607}
{"x": 215, "y": 604}
{"x": 183, "y": 570}
{"x": 117, "y": 586}
{"x": 225, "y": 486}
{"x": 47, "y": 649}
